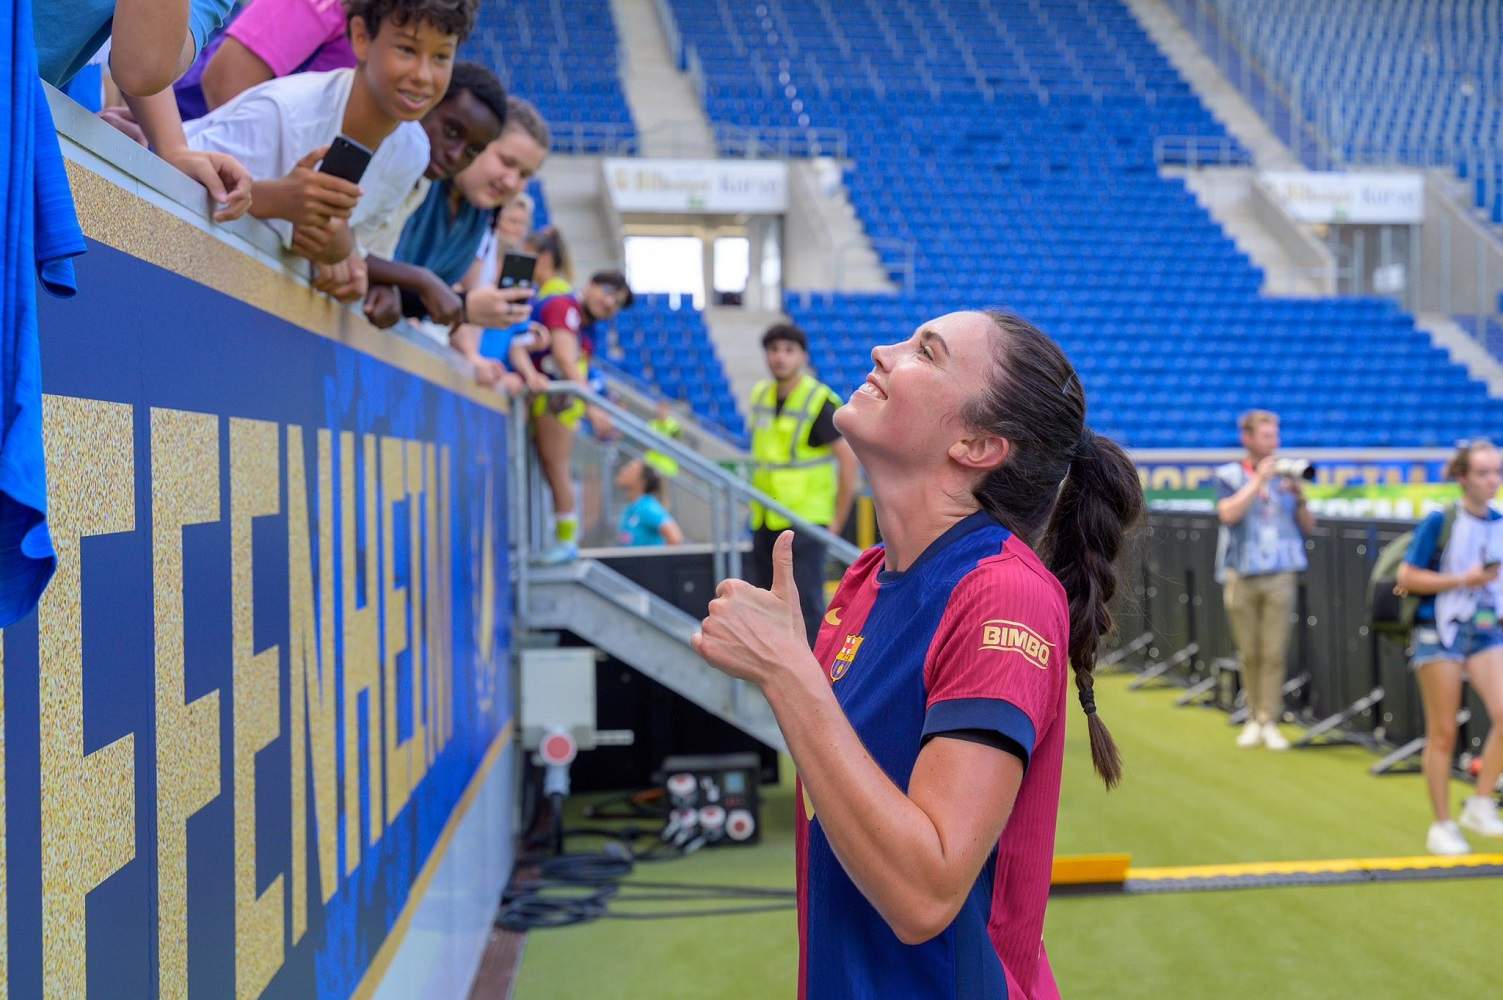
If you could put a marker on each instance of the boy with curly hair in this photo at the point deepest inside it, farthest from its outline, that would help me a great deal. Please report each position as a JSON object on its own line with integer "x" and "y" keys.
{"x": 281, "y": 129}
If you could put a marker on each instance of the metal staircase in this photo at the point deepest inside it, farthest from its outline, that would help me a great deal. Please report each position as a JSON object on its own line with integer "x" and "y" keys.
{"x": 616, "y": 615}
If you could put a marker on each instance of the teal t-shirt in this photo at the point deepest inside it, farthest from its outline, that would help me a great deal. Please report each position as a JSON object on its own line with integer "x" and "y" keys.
{"x": 69, "y": 32}
{"x": 642, "y": 522}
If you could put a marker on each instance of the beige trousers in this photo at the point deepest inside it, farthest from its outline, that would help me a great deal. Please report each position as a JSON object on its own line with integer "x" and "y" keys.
{"x": 1259, "y": 608}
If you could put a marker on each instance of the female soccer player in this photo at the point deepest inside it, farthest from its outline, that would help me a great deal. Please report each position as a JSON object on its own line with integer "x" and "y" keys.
{"x": 928, "y": 722}
{"x": 1457, "y": 634}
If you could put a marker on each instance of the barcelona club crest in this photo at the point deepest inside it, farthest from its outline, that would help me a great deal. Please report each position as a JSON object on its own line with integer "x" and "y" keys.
{"x": 845, "y": 657}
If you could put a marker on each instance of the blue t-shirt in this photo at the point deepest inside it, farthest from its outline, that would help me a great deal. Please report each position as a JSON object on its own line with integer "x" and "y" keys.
{"x": 495, "y": 342}
{"x": 444, "y": 245}
{"x": 642, "y": 522}
{"x": 69, "y": 32}
{"x": 1268, "y": 538}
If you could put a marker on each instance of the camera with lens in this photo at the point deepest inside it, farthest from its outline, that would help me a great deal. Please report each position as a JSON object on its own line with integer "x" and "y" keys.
{"x": 1294, "y": 468}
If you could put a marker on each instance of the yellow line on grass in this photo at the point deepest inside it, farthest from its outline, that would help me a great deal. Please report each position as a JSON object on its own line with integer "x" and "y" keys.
{"x": 1316, "y": 866}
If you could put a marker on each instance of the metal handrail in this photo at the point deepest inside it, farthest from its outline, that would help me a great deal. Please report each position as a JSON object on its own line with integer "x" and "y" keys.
{"x": 1194, "y": 151}
{"x": 644, "y": 396}
{"x": 671, "y": 35}
{"x": 1304, "y": 135}
{"x": 780, "y": 141}
{"x": 726, "y": 489}
{"x": 610, "y": 138}
{"x": 764, "y": 142}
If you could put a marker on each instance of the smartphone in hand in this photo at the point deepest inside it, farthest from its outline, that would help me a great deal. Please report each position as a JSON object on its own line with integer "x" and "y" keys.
{"x": 517, "y": 270}
{"x": 346, "y": 159}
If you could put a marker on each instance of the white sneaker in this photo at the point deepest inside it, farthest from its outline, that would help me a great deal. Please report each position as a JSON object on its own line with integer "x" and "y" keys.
{"x": 1272, "y": 738}
{"x": 1446, "y": 838}
{"x": 560, "y": 553}
{"x": 1252, "y": 733}
{"x": 1480, "y": 815}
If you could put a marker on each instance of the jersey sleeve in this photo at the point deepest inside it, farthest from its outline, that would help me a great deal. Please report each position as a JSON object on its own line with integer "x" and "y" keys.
{"x": 995, "y": 665}
{"x": 1422, "y": 547}
{"x": 560, "y": 313}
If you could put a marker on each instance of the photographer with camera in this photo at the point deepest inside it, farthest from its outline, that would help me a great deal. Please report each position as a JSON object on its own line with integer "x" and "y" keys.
{"x": 1264, "y": 518}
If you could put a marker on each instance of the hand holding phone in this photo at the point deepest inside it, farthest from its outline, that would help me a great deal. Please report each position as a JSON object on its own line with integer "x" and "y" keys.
{"x": 517, "y": 270}
{"x": 310, "y": 197}
{"x": 346, "y": 159}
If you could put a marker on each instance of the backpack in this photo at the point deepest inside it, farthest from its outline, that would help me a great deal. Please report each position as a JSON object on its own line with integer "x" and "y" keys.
{"x": 1391, "y": 608}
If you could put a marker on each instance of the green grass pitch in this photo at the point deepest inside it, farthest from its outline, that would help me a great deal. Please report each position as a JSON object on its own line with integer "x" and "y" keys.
{"x": 1189, "y": 797}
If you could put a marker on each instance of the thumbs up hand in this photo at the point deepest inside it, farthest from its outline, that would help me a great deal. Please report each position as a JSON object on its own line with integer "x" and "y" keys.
{"x": 753, "y": 633}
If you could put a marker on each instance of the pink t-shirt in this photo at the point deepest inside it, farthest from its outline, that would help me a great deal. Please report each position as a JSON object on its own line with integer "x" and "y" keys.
{"x": 293, "y": 35}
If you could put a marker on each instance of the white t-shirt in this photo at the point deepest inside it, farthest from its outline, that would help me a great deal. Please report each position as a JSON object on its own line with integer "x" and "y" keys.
{"x": 1473, "y": 541}
{"x": 274, "y": 124}
{"x": 488, "y": 255}
{"x": 385, "y": 237}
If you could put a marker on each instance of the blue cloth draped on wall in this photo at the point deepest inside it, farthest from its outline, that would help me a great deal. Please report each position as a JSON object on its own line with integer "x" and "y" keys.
{"x": 41, "y": 234}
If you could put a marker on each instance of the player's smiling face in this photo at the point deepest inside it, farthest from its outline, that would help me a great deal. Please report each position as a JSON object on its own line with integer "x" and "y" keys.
{"x": 908, "y": 410}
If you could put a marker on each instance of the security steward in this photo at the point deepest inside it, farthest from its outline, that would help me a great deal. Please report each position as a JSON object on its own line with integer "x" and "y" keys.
{"x": 666, "y": 424}
{"x": 802, "y": 462}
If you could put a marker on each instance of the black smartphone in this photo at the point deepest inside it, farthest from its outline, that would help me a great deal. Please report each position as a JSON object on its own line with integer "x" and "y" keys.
{"x": 517, "y": 270}
{"x": 346, "y": 159}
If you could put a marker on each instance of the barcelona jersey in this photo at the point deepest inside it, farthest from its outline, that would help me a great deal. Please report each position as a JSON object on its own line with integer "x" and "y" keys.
{"x": 557, "y": 308}
{"x": 969, "y": 642}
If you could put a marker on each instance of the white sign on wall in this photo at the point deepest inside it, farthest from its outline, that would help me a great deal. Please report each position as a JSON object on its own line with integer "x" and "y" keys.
{"x": 1352, "y": 198}
{"x": 711, "y": 187}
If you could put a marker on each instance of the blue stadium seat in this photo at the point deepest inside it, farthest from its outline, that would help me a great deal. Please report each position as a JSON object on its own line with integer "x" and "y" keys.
{"x": 1013, "y": 146}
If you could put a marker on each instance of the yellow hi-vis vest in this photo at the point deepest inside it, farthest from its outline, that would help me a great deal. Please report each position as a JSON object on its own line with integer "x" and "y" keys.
{"x": 799, "y": 477}
{"x": 665, "y": 464}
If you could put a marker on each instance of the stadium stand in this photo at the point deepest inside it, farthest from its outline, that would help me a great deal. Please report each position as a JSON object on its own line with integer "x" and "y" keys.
{"x": 566, "y": 65}
{"x": 665, "y": 344}
{"x": 1437, "y": 60}
{"x": 1012, "y": 144}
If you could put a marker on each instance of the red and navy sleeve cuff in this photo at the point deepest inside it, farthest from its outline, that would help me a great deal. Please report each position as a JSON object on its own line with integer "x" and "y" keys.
{"x": 991, "y": 721}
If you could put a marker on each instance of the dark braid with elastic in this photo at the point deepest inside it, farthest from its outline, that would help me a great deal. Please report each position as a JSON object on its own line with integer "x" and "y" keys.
{"x": 1096, "y": 503}
{"x": 1070, "y": 494}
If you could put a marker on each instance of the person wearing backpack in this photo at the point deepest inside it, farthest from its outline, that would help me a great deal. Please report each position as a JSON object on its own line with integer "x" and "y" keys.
{"x": 1457, "y": 635}
{"x": 1264, "y": 522}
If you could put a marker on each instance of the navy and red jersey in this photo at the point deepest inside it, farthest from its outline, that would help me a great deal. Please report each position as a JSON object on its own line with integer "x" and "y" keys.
{"x": 971, "y": 641}
{"x": 558, "y": 308}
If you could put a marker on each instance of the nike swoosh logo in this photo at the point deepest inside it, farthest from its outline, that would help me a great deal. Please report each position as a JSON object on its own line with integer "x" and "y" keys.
{"x": 832, "y": 617}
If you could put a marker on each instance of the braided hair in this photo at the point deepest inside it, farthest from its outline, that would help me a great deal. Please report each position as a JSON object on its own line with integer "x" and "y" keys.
{"x": 1064, "y": 490}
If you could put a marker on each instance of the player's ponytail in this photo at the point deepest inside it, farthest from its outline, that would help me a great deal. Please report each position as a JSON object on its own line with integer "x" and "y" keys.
{"x": 1070, "y": 494}
{"x": 1100, "y": 497}
{"x": 550, "y": 242}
